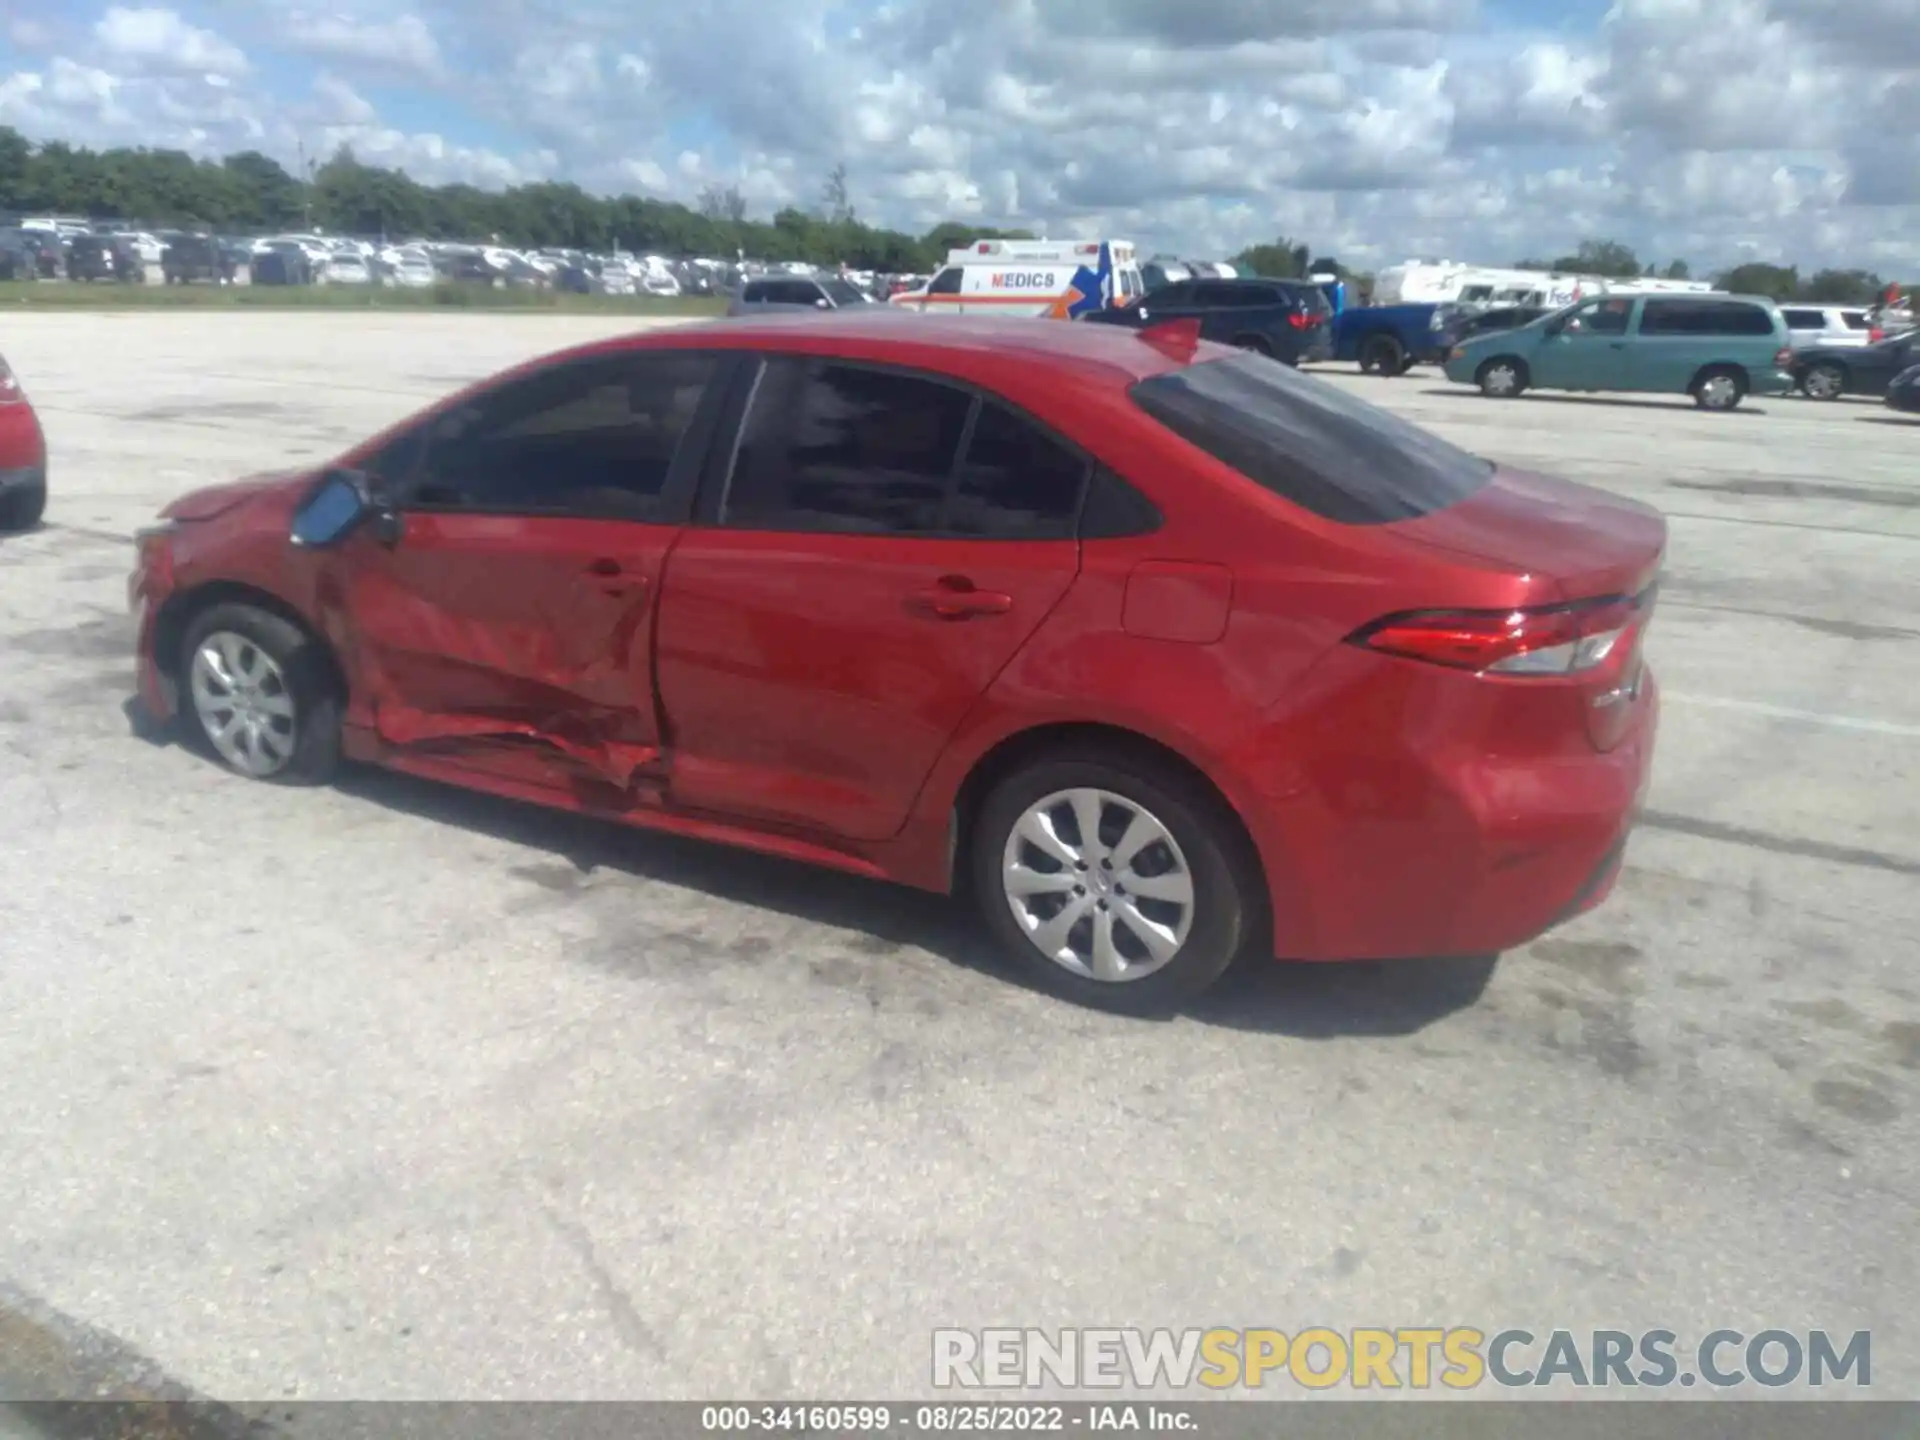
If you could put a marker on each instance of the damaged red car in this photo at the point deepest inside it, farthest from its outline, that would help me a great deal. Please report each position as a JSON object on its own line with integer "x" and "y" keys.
{"x": 1160, "y": 650}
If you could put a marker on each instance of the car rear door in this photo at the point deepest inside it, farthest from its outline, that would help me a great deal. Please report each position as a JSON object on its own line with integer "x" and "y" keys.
{"x": 516, "y": 603}
{"x": 865, "y": 561}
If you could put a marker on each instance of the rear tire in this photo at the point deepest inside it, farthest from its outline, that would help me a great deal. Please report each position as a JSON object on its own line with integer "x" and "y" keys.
{"x": 1719, "y": 387}
{"x": 1504, "y": 377}
{"x": 273, "y": 670}
{"x": 1382, "y": 355}
{"x": 21, "y": 509}
{"x": 1200, "y": 852}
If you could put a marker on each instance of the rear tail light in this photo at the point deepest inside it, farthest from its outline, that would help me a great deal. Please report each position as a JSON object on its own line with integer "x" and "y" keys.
{"x": 10, "y": 391}
{"x": 1783, "y": 359}
{"x": 1543, "y": 640}
{"x": 1299, "y": 320}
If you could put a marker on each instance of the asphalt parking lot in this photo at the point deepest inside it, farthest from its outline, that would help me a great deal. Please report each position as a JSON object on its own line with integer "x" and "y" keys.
{"x": 389, "y": 1091}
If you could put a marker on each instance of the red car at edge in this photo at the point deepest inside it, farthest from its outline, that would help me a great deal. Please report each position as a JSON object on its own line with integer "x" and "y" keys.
{"x": 1160, "y": 650}
{"x": 23, "y": 457}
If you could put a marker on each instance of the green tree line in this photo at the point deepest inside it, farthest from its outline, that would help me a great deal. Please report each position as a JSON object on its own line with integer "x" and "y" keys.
{"x": 251, "y": 193}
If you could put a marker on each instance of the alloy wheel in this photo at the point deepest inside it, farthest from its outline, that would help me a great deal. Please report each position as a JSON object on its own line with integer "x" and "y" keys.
{"x": 1500, "y": 379}
{"x": 242, "y": 702}
{"x": 1822, "y": 383}
{"x": 1718, "y": 392}
{"x": 1098, "y": 885}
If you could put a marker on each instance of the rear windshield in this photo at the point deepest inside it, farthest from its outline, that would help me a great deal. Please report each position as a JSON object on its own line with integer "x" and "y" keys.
{"x": 1310, "y": 443}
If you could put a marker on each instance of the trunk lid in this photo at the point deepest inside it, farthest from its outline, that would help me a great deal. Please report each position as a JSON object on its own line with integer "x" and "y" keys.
{"x": 1591, "y": 544}
{"x": 1589, "y": 541}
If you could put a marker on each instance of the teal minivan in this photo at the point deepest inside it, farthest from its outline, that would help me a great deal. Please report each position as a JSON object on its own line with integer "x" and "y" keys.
{"x": 1716, "y": 348}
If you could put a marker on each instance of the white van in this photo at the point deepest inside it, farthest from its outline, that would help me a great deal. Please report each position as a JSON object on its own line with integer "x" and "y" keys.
{"x": 1050, "y": 279}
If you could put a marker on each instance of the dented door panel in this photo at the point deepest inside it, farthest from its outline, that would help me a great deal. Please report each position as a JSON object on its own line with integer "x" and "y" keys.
{"x": 488, "y": 627}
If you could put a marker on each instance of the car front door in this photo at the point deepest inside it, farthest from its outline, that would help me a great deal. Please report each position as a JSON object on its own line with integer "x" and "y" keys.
{"x": 514, "y": 603}
{"x": 876, "y": 551}
{"x": 1589, "y": 349}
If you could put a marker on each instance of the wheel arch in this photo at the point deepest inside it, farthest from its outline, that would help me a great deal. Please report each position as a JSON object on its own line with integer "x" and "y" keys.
{"x": 178, "y": 612}
{"x": 1011, "y": 752}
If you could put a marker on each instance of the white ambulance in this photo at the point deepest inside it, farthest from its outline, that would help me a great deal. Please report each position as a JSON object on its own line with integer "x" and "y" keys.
{"x": 1052, "y": 279}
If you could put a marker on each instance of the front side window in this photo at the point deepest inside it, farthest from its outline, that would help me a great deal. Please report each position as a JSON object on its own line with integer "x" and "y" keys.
{"x": 1311, "y": 443}
{"x": 1805, "y": 319}
{"x": 840, "y": 448}
{"x": 947, "y": 282}
{"x": 592, "y": 438}
{"x": 1606, "y": 316}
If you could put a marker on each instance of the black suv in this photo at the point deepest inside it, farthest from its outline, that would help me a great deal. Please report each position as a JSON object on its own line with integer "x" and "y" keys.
{"x": 1290, "y": 320}
{"x": 796, "y": 292}
{"x": 103, "y": 257}
{"x": 195, "y": 257}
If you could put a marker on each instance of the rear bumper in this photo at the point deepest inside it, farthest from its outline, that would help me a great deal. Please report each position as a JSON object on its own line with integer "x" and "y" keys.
{"x": 1409, "y": 844}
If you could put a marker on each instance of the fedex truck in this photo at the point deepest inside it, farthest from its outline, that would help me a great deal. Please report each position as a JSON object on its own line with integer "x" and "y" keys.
{"x": 1049, "y": 279}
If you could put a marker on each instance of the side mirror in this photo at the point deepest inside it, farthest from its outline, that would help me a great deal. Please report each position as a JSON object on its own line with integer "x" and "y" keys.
{"x": 338, "y": 505}
{"x": 823, "y": 304}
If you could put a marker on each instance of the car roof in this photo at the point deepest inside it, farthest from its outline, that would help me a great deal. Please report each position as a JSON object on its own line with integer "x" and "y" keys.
{"x": 965, "y": 346}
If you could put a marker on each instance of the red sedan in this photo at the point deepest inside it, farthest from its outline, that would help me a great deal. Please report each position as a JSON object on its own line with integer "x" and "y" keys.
{"x": 1161, "y": 650}
{"x": 23, "y": 457}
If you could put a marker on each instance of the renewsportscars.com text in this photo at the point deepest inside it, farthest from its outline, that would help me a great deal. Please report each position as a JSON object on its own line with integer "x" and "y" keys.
{"x": 1417, "y": 1358}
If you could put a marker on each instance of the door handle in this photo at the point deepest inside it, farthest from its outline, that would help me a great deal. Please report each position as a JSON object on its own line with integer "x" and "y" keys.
{"x": 615, "y": 579}
{"x": 956, "y": 598}
{"x": 1618, "y": 345}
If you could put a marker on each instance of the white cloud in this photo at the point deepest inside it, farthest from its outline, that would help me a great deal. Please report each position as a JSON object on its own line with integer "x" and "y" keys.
{"x": 400, "y": 43}
{"x": 155, "y": 41}
{"x": 1710, "y": 129}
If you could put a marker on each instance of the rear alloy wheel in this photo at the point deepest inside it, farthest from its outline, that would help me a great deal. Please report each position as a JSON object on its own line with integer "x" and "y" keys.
{"x": 1115, "y": 884}
{"x": 1720, "y": 389}
{"x": 261, "y": 695}
{"x": 1382, "y": 355}
{"x": 1824, "y": 381}
{"x": 1501, "y": 378}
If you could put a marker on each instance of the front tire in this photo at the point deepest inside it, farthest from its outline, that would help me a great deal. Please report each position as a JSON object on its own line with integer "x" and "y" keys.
{"x": 1824, "y": 381}
{"x": 1502, "y": 378}
{"x": 1114, "y": 880}
{"x": 260, "y": 695}
{"x": 21, "y": 509}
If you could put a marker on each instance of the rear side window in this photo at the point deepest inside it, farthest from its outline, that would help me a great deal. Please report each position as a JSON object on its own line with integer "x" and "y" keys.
{"x": 1856, "y": 320}
{"x": 839, "y": 448}
{"x": 1219, "y": 295}
{"x": 1014, "y": 480}
{"x": 1310, "y": 443}
{"x": 1704, "y": 317}
{"x": 851, "y": 450}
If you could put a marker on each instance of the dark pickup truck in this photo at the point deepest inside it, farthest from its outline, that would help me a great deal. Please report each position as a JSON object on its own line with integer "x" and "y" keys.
{"x": 1288, "y": 320}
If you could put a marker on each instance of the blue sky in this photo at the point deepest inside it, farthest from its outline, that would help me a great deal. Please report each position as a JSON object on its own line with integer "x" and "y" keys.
{"x": 1375, "y": 128}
